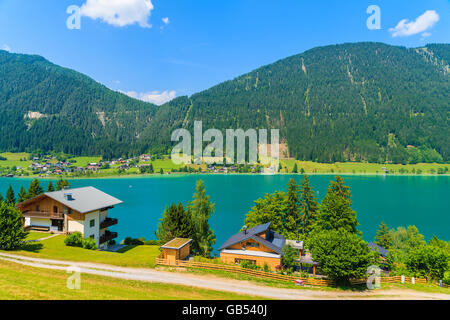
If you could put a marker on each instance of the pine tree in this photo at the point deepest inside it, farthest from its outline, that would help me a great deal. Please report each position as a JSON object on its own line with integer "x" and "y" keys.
{"x": 383, "y": 237}
{"x": 10, "y": 196}
{"x": 309, "y": 206}
{"x": 295, "y": 170}
{"x": 62, "y": 184}
{"x": 335, "y": 211}
{"x": 22, "y": 195}
{"x": 292, "y": 218}
{"x": 201, "y": 209}
{"x": 11, "y": 227}
{"x": 35, "y": 189}
{"x": 50, "y": 187}
{"x": 176, "y": 222}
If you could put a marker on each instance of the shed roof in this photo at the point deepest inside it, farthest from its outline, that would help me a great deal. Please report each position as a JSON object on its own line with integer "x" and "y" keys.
{"x": 177, "y": 243}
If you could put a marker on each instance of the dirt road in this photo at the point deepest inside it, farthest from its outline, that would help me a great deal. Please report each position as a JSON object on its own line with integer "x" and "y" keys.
{"x": 217, "y": 283}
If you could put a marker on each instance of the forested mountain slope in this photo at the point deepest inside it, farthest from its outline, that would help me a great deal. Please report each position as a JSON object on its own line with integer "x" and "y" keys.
{"x": 47, "y": 107}
{"x": 364, "y": 101}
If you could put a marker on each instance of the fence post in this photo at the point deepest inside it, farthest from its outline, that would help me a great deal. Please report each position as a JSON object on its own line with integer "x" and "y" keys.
{"x": 403, "y": 279}
{"x": 440, "y": 283}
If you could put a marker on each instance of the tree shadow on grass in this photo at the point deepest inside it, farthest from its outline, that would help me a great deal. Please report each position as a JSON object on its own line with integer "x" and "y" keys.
{"x": 127, "y": 248}
{"x": 32, "y": 247}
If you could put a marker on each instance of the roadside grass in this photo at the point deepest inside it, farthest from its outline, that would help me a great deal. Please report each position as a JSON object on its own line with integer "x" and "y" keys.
{"x": 54, "y": 248}
{"x": 18, "y": 282}
{"x": 252, "y": 279}
{"x": 431, "y": 288}
{"x": 361, "y": 167}
{"x": 37, "y": 235}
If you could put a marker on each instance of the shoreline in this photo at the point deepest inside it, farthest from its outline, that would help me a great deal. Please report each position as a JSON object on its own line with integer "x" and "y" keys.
{"x": 182, "y": 175}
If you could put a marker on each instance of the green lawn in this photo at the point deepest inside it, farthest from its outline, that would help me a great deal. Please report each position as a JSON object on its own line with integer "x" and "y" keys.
{"x": 28, "y": 283}
{"x": 13, "y": 160}
{"x": 37, "y": 235}
{"x": 54, "y": 248}
{"x": 361, "y": 168}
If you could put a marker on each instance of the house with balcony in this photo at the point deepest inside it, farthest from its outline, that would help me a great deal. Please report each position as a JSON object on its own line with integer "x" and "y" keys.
{"x": 259, "y": 245}
{"x": 67, "y": 211}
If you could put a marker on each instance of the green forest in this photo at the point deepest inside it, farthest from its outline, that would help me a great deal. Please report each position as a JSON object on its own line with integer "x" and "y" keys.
{"x": 365, "y": 102}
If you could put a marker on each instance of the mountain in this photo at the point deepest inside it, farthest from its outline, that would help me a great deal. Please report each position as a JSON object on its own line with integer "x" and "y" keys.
{"x": 47, "y": 107}
{"x": 351, "y": 102}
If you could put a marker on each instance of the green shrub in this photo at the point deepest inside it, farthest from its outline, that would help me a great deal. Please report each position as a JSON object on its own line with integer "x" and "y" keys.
{"x": 89, "y": 244}
{"x": 74, "y": 240}
{"x": 133, "y": 242}
{"x": 153, "y": 243}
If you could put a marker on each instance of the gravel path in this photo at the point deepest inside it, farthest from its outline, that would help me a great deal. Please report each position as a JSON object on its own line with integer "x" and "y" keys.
{"x": 216, "y": 283}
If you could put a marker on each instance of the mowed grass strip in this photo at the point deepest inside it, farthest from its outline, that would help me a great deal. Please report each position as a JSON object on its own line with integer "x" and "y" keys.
{"x": 37, "y": 235}
{"x": 54, "y": 248}
{"x": 18, "y": 282}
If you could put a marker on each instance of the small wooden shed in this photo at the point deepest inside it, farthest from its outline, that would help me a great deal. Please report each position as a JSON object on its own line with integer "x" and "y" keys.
{"x": 176, "y": 249}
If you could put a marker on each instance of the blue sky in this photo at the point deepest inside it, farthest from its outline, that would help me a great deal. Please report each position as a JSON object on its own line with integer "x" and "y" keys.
{"x": 202, "y": 42}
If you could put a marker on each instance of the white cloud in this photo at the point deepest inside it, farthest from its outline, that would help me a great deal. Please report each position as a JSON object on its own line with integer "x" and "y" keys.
{"x": 408, "y": 28}
{"x": 166, "y": 20}
{"x": 155, "y": 97}
{"x": 6, "y": 48}
{"x": 119, "y": 13}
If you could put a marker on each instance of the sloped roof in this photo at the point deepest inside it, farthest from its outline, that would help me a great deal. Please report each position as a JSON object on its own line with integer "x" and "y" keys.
{"x": 379, "y": 249}
{"x": 83, "y": 200}
{"x": 176, "y": 243}
{"x": 275, "y": 242}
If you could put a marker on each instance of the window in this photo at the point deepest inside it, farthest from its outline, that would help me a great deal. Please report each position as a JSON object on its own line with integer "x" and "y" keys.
{"x": 38, "y": 208}
{"x": 92, "y": 237}
{"x": 252, "y": 244}
{"x": 238, "y": 261}
{"x": 55, "y": 209}
{"x": 92, "y": 223}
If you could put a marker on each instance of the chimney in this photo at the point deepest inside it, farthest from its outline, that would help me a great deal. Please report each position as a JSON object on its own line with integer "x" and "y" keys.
{"x": 244, "y": 228}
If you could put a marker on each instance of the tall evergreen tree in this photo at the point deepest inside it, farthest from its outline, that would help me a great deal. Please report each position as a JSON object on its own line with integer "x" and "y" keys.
{"x": 292, "y": 218}
{"x": 335, "y": 211}
{"x": 62, "y": 184}
{"x": 309, "y": 206}
{"x": 295, "y": 169}
{"x": 50, "y": 187}
{"x": 22, "y": 195}
{"x": 383, "y": 237}
{"x": 201, "y": 209}
{"x": 10, "y": 196}
{"x": 11, "y": 227}
{"x": 176, "y": 222}
{"x": 35, "y": 189}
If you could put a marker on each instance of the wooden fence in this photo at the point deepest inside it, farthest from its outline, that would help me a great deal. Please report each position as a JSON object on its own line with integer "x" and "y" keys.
{"x": 280, "y": 277}
{"x": 249, "y": 272}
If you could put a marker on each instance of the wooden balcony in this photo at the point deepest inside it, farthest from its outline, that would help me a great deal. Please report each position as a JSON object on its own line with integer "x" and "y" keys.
{"x": 43, "y": 215}
{"x": 108, "y": 222}
{"x": 108, "y": 236}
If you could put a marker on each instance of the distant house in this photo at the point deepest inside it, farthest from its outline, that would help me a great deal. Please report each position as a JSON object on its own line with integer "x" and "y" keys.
{"x": 382, "y": 251}
{"x": 259, "y": 245}
{"x": 84, "y": 210}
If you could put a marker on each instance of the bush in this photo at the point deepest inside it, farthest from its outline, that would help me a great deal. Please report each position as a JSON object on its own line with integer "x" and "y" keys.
{"x": 153, "y": 243}
{"x": 11, "y": 227}
{"x": 248, "y": 265}
{"x": 133, "y": 242}
{"x": 89, "y": 244}
{"x": 111, "y": 242}
{"x": 74, "y": 240}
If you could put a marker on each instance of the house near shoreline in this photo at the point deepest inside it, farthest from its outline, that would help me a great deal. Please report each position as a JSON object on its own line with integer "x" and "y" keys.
{"x": 259, "y": 245}
{"x": 67, "y": 211}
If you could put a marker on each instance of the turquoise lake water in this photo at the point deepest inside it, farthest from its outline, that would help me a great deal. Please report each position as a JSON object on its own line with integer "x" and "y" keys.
{"x": 423, "y": 201}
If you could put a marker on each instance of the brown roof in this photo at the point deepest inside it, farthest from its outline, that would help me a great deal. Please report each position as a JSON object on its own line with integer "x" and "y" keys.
{"x": 176, "y": 243}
